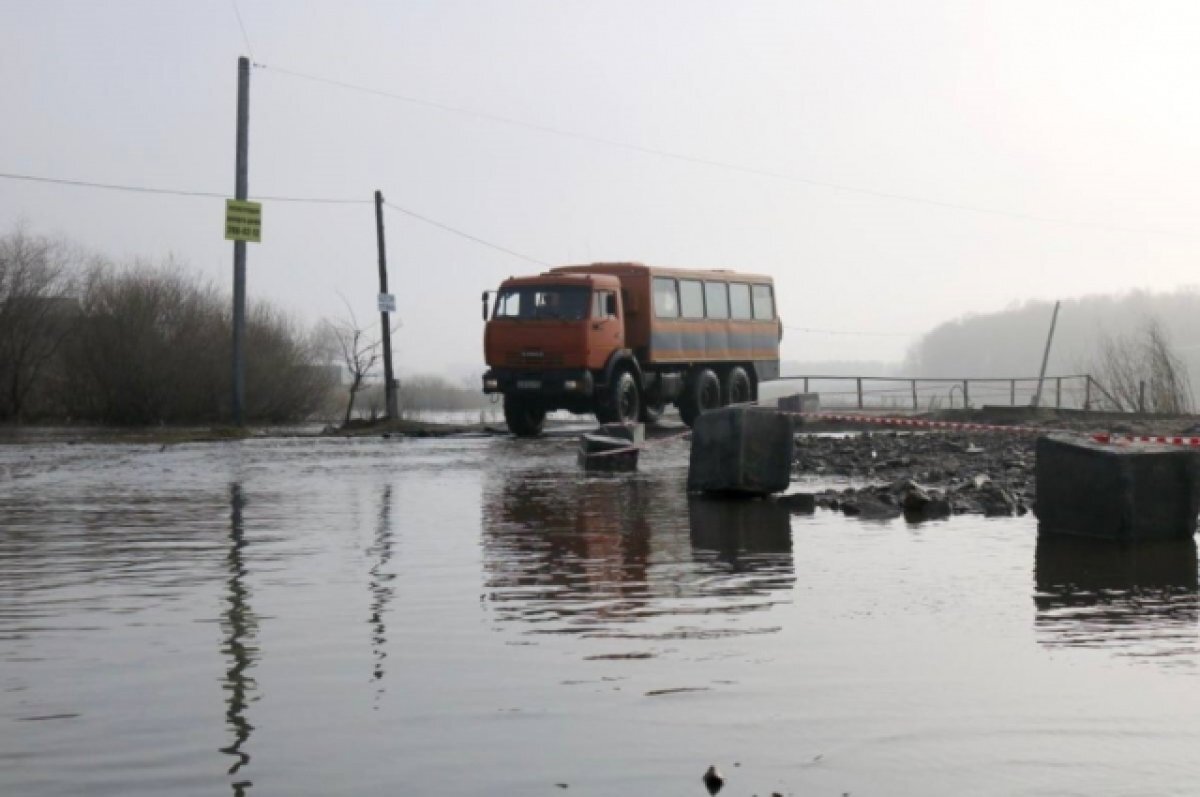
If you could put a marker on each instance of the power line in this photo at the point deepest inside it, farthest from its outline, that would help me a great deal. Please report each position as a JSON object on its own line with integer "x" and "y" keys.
{"x": 143, "y": 189}
{"x": 713, "y": 163}
{"x": 467, "y": 235}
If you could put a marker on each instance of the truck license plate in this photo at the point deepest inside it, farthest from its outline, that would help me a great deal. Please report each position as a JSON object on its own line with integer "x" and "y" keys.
{"x": 529, "y": 384}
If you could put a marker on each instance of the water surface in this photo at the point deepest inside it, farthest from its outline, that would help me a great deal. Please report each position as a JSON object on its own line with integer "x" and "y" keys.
{"x": 475, "y": 615}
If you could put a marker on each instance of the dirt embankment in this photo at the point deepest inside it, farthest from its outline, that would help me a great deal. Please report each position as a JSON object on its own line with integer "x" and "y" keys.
{"x": 935, "y": 474}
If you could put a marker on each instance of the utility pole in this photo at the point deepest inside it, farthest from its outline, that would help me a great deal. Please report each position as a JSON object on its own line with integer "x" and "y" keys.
{"x": 239, "y": 247}
{"x": 393, "y": 411}
{"x": 1037, "y": 398}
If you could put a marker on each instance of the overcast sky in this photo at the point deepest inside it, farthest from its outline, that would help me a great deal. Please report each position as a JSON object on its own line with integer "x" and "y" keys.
{"x": 867, "y": 136}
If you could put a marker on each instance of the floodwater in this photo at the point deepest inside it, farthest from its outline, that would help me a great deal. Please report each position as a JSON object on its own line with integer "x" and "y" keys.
{"x": 476, "y": 616}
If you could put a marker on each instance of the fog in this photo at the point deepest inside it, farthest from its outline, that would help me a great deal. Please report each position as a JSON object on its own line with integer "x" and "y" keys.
{"x": 890, "y": 165}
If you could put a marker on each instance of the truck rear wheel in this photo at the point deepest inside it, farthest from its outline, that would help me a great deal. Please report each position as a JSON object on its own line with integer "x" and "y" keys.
{"x": 525, "y": 417}
{"x": 622, "y": 400}
{"x": 738, "y": 389}
{"x": 702, "y": 393}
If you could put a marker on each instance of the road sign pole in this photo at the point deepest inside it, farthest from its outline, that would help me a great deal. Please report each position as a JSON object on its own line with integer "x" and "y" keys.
{"x": 239, "y": 247}
{"x": 389, "y": 384}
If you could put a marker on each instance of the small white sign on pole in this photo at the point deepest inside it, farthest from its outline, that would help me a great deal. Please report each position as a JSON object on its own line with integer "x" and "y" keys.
{"x": 387, "y": 302}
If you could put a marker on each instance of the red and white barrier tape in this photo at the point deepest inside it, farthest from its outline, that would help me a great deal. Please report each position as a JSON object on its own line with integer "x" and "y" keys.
{"x": 914, "y": 423}
{"x": 1105, "y": 437}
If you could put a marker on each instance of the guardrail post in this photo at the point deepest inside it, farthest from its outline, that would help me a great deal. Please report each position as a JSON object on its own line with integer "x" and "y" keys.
{"x": 1058, "y": 392}
{"x": 806, "y": 384}
{"x": 966, "y": 394}
{"x": 1087, "y": 392}
{"x": 1012, "y": 392}
{"x": 860, "y": 403}
{"x": 914, "y": 392}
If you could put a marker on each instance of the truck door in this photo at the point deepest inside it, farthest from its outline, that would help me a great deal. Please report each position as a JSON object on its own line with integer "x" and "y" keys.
{"x": 606, "y": 331}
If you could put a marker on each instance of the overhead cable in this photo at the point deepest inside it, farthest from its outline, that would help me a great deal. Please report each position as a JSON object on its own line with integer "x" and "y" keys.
{"x": 713, "y": 163}
{"x": 143, "y": 189}
{"x": 466, "y": 235}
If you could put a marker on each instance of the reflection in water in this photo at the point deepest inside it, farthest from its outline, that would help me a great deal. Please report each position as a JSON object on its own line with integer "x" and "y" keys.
{"x": 1139, "y": 599}
{"x": 594, "y": 555}
{"x": 381, "y": 589}
{"x": 746, "y": 536}
{"x": 240, "y": 626}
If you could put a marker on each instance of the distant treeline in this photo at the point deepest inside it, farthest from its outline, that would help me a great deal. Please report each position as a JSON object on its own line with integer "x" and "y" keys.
{"x": 1090, "y": 330}
{"x": 87, "y": 340}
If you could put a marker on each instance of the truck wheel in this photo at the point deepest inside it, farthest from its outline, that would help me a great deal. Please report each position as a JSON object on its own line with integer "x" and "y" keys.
{"x": 702, "y": 393}
{"x": 622, "y": 400}
{"x": 737, "y": 387}
{"x": 524, "y": 416}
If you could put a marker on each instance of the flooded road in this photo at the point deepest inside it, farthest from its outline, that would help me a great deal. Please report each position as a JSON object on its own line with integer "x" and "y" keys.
{"x": 475, "y": 616}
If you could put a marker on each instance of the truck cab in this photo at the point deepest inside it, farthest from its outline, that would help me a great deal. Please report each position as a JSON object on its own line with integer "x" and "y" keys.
{"x": 548, "y": 344}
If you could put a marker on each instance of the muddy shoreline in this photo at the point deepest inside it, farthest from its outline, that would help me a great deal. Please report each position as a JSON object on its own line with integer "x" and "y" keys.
{"x": 932, "y": 474}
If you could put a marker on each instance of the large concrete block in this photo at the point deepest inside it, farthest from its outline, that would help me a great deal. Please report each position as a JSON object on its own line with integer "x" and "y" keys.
{"x": 800, "y": 402}
{"x": 600, "y": 452}
{"x": 1131, "y": 493}
{"x": 633, "y": 432}
{"x": 746, "y": 450}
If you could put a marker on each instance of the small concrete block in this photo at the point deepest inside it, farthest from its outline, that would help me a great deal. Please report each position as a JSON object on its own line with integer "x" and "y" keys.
{"x": 599, "y": 452}
{"x": 800, "y": 402}
{"x": 1131, "y": 493}
{"x": 741, "y": 450}
{"x": 633, "y": 432}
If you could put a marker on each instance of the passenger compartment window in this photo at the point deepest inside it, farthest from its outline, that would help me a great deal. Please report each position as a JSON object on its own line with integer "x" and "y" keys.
{"x": 764, "y": 303}
{"x": 691, "y": 298}
{"x": 666, "y": 301}
{"x": 716, "y": 297}
{"x": 739, "y": 300}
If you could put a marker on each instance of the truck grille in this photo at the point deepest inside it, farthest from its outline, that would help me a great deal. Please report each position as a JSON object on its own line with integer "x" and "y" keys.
{"x": 548, "y": 359}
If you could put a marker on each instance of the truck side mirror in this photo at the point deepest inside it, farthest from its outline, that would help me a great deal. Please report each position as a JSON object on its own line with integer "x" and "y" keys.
{"x": 610, "y": 304}
{"x": 484, "y": 297}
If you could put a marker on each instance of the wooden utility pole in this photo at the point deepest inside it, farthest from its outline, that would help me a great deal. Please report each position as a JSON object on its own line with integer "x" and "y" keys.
{"x": 239, "y": 247}
{"x": 389, "y": 389}
{"x": 1037, "y": 397}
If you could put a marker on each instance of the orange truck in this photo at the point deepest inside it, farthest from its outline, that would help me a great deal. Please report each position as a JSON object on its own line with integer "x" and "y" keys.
{"x": 624, "y": 340}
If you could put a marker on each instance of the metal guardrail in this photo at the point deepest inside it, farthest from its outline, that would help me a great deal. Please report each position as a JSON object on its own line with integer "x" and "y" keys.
{"x": 1073, "y": 391}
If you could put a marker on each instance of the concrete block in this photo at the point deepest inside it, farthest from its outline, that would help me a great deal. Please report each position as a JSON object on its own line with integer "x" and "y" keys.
{"x": 633, "y": 432}
{"x": 1131, "y": 493}
{"x": 800, "y": 402}
{"x": 600, "y": 452}
{"x": 741, "y": 450}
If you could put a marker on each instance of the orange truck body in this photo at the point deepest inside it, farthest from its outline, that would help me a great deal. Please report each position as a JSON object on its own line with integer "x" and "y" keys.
{"x": 623, "y": 340}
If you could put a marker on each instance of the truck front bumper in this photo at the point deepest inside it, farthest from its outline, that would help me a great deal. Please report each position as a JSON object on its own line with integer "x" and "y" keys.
{"x": 566, "y": 382}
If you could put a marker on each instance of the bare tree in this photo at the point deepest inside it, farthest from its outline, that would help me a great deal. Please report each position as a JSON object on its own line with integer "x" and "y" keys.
{"x": 358, "y": 352}
{"x": 37, "y": 310}
{"x": 1142, "y": 372}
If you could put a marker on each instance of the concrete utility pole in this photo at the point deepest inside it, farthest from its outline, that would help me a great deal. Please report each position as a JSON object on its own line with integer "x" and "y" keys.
{"x": 389, "y": 388}
{"x": 1037, "y": 398}
{"x": 239, "y": 247}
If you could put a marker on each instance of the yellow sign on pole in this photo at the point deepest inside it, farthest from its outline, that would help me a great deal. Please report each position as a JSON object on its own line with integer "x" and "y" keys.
{"x": 243, "y": 221}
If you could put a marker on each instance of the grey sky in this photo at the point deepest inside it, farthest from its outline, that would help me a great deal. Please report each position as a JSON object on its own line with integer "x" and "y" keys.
{"x": 1077, "y": 111}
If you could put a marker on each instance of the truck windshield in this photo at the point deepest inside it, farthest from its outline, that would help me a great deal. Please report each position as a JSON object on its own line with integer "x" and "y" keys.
{"x": 564, "y": 302}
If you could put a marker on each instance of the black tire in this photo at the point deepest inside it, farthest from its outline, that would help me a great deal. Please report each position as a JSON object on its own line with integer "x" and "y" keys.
{"x": 738, "y": 389}
{"x": 524, "y": 416}
{"x": 702, "y": 393}
{"x": 621, "y": 401}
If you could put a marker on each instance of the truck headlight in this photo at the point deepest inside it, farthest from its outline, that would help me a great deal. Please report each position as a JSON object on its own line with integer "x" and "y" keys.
{"x": 491, "y": 384}
{"x": 570, "y": 384}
